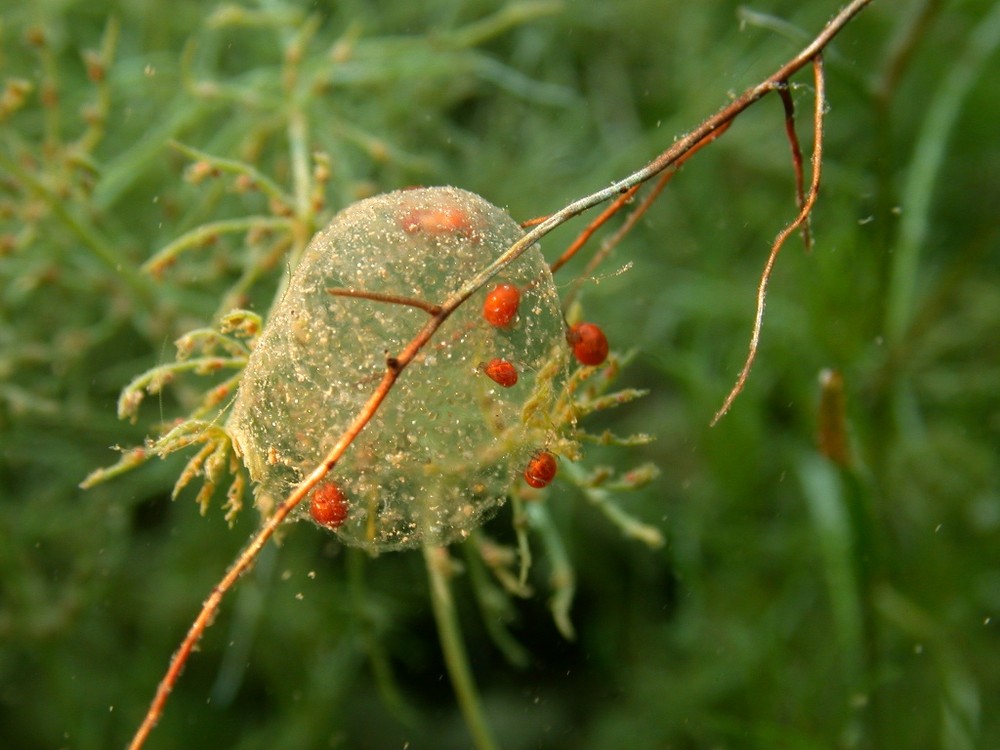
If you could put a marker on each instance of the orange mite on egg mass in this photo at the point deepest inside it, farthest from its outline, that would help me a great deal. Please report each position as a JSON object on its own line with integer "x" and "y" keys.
{"x": 328, "y": 505}
{"x": 590, "y": 345}
{"x": 443, "y": 220}
{"x": 541, "y": 470}
{"x": 500, "y": 305}
{"x": 501, "y": 371}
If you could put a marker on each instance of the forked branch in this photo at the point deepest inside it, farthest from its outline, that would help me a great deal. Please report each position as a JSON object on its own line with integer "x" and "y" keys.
{"x": 396, "y": 365}
{"x": 793, "y": 142}
{"x": 783, "y": 235}
{"x": 630, "y": 221}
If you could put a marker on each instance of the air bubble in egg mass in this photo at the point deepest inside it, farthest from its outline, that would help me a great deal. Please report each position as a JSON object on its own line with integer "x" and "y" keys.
{"x": 444, "y": 448}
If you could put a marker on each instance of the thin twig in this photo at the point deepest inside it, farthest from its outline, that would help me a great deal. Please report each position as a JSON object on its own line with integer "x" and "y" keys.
{"x": 396, "y": 365}
{"x": 793, "y": 142}
{"x": 633, "y": 218}
{"x": 428, "y": 307}
{"x": 592, "y": 227}
{"x": 784, "y": 234}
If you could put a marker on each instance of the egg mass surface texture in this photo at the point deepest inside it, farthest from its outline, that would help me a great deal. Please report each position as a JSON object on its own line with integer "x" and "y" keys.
{"x": 441, "y": 453}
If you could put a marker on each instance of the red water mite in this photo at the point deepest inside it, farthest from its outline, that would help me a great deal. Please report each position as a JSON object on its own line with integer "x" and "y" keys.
{"x": 443, "y": 220}
{"x": 328, "y": 506}
{"x": 541, "y": 470}
{"x": 590, "y": 345}
{"x": 501, "y": 371}
{"x": 500, "y": 305}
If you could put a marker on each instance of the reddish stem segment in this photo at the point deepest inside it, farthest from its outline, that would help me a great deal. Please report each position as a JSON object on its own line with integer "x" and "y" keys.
{"x": 596, "y": 224}
{"x": 428, "y": 307}
{"x": 793, "y": 142}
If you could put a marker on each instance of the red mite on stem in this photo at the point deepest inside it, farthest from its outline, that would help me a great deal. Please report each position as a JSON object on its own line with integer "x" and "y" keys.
{"x": 328, "y": 505}
{"x": 500, "y": 305}
{"x": 590, "y": 345}
{"x": 501, "y": 371}
{"x": 541, "y": 470}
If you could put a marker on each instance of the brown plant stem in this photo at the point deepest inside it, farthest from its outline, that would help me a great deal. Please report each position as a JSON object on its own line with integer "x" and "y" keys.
{"x": 428, "y": 307}
{"x": 793, "y": 142}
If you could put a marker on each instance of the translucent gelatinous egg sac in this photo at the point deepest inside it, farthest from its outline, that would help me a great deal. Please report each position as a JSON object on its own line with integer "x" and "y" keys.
{"x": 447, "y": 444}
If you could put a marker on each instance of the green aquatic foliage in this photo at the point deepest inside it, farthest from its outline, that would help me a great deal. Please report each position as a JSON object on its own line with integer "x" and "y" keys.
{"x": 159, "y": 170}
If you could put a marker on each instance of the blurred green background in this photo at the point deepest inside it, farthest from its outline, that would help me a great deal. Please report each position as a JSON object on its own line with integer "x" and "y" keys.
{"x": 798, "y": 603}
